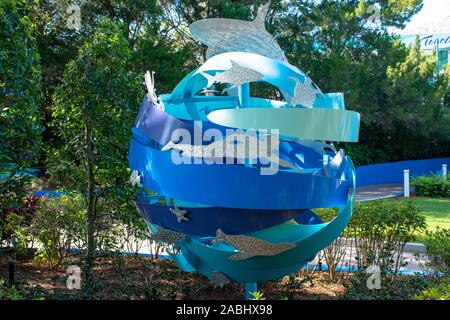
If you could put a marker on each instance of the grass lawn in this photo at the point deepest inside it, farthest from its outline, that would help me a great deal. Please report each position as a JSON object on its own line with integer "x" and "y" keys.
{"x": 436, "y": 211}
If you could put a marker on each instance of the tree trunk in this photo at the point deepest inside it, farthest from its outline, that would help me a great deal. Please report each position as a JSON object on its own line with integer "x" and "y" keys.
{"x": 91, "y": 214}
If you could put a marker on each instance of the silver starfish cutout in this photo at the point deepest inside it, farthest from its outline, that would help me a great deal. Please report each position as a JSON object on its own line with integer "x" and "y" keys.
{"x": 179, "y": 213}
{"x": 135, "y": 178}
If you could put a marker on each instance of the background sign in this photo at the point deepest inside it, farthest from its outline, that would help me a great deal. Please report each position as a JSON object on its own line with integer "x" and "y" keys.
{"x": 429, "y": 41}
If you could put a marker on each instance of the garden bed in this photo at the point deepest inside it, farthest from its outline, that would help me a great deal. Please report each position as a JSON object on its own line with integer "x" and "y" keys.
{"x": 129, "y": 278}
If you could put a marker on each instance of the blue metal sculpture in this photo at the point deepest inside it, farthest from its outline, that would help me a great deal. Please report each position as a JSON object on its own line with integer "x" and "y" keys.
{"x": 233, "y": 212}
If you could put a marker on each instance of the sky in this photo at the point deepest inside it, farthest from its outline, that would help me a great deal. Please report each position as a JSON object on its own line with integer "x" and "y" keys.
{"x": 433, "y": 18}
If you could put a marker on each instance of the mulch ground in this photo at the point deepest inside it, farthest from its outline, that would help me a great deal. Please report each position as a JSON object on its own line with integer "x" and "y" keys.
{"x": 144, "y": 278}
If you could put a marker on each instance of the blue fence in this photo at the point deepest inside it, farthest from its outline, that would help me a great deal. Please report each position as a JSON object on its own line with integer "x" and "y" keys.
{"x": 392, "y": 172}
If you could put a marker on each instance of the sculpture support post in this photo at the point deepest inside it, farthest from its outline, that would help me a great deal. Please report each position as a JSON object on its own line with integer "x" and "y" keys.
{"x": 244, "y": 95}
{"x": 444, "y": 171}
{"x": 406, "y": 183}
{"x": 244, "y": 101}
{"x": 249, "y": 289}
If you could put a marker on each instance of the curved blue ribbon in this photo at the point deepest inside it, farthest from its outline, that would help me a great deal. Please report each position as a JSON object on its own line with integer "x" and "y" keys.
{"x": 237, "y": 198}
{"x": 234, "y": 186}
{"x": 204, "y": 220}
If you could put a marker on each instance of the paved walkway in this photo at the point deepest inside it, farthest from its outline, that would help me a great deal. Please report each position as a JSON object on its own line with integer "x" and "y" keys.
{"x": 379, "y": 191}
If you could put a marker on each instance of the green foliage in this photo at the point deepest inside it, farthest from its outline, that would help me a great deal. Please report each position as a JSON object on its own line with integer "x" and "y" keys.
{"x": 20, "y": 123}
{"x": 20, "y": 76}
{"x": 93, "y": 112}
{"x": 58, "y": 226}
{"x": 17, "y": 209}
{"x": 378, "y": 231}
{"x": 438, "y": 249}
{"x": 257, "y": 295}
{"x": 9, "y": 292}
{"x": 440, "y": 291}
{"x": 362, "y": 154}
{"x": 432, "y": 186}
{"x": 392, "y": 287}
{"x": 402, "y": 101}
{"x": 381, "y": 229}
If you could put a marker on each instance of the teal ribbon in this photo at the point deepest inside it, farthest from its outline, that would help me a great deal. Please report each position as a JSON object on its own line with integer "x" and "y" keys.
{"x": 314, "y": 124}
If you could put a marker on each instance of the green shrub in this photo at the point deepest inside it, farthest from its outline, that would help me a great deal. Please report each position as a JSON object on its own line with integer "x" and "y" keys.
{"x": 438, "y": 249}
{"x": 440, "y": 291}
{"x": 391, "y": 287}
{"x": 432, "y": 186}
{"x": 381, "y": 229}
{"x": 9, "y": 292}
{"x": 58, "y": 226}
{"x": 17, "y": 208}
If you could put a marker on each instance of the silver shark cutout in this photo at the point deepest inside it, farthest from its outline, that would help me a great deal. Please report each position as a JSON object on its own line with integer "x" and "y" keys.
{"x": 235, "y": 76}
{"x": 251, "y": 247}
{"x": 167, "y": 236}
{"x": 230, "y": 35}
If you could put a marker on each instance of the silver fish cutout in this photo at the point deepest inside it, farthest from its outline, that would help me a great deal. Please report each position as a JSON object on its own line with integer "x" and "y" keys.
{"x": 219, "y": 279}
{"x": 227, "y": 148}
{"x": 231, "y": 35}
{"x": 179, "y": 214}
{"x": 304, "y": 93}
{"x": 236, "y": 76}
{"x": 167, "y": 236}
{"x": 251, "y": 247}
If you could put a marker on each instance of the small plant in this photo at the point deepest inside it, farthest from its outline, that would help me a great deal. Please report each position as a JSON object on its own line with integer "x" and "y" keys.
{"x": 294, "y": 284}
{"x": 257, "y": 295}
{"x": 432, "y": 186}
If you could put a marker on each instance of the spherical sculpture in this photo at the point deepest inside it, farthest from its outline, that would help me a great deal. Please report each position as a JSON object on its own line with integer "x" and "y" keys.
{"x": 233, "y": 178}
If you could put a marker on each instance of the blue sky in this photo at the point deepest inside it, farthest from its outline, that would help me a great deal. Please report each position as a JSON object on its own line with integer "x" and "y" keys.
{"x": 433, "y": 18}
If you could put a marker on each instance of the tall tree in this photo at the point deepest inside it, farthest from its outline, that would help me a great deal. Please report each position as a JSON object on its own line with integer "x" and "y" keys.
{"x": 20, "y": 79}
{"x": 396, "y": 89}
{"x": 94, "y": 109}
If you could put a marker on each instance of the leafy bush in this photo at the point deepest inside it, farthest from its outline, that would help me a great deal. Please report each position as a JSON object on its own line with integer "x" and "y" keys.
{"x": 432, "y": 186}
{"x": 381, "y": 230}
{"x": 9, "y": 293}
{"x": 58, "y": 226}
{"x": 378, "y": 232}
{"x": 334, "y": 254}
{"x": 17, "y": 209}
{"x": 391, "y": 287}
{"x": 440, "y": 291}
{"x": 438, "y": 249}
